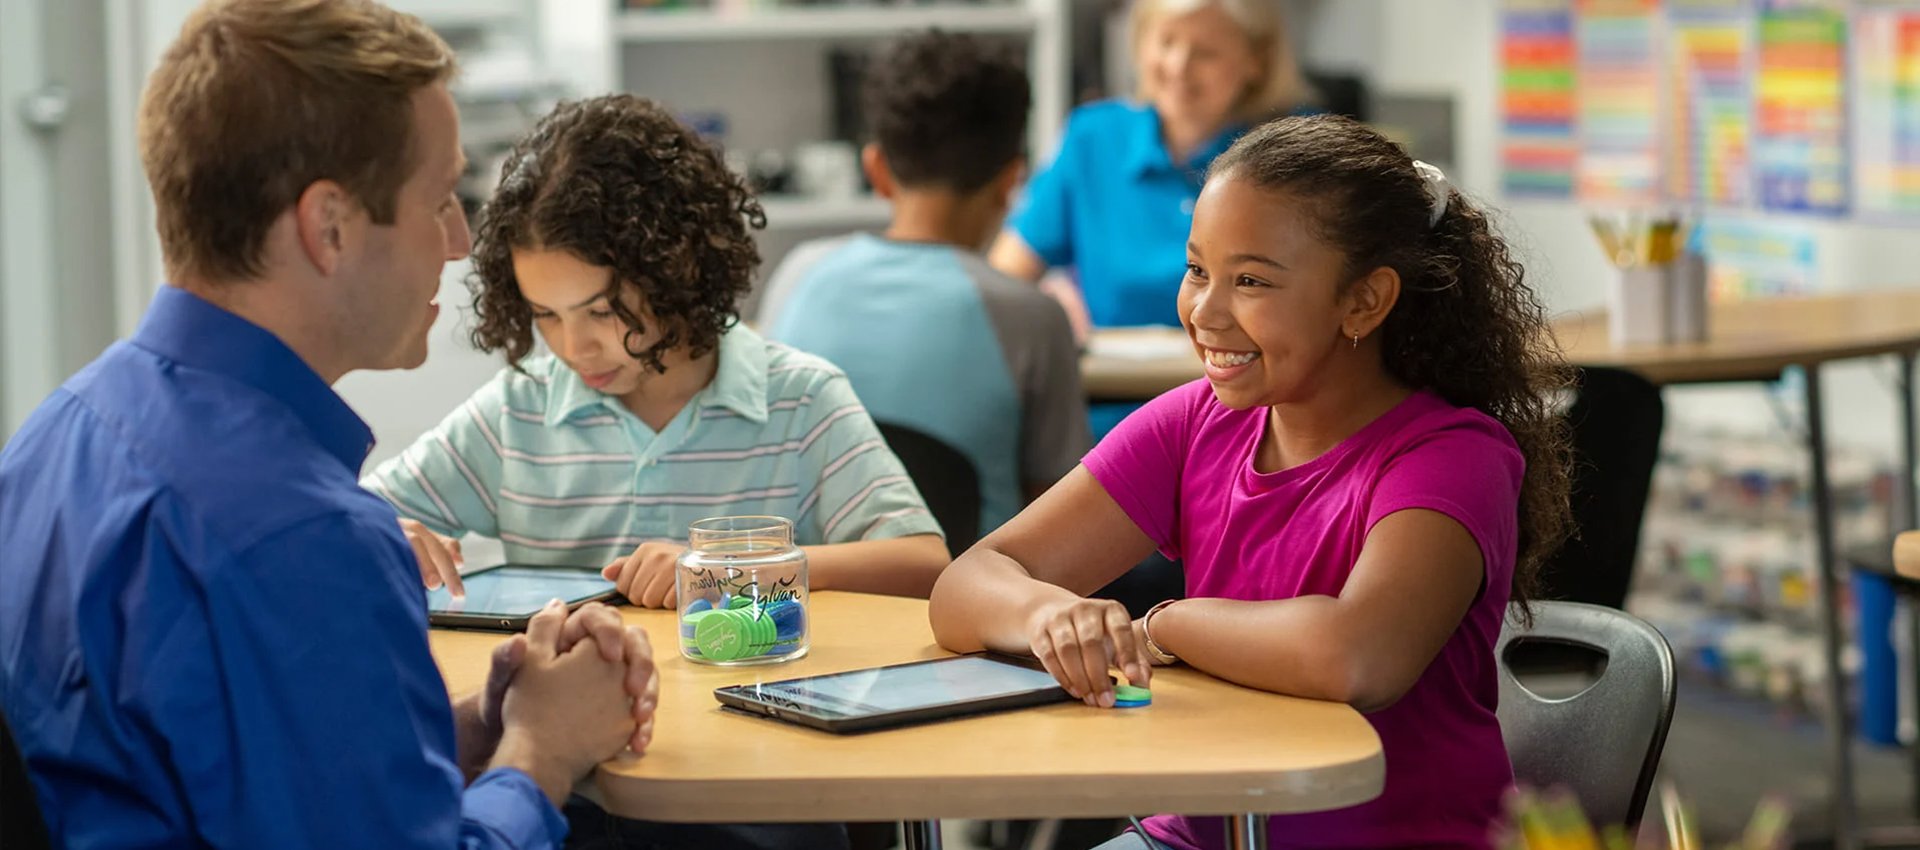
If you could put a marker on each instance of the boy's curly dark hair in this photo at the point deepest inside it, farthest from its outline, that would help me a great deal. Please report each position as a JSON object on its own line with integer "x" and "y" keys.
{"x": 1467, "y": 325}
{"x": 947, "y": 110}
{"x": 617, "y": 182}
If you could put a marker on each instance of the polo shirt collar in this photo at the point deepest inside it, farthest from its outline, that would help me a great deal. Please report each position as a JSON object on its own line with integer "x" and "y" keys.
{"x": 193, "y": 332}
{"x": 1146, "y": 152}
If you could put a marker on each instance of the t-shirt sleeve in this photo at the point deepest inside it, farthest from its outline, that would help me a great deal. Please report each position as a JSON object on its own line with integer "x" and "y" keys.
{"x": 1044, "y": 216}
{"x": 1053, "y": 425}
{"x": 784, "y": 283}
{"x": 1139, "y": 462}
{"x": 1470, "y": 472}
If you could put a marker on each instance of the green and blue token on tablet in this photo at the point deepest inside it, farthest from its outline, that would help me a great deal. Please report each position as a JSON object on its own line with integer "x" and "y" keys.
{"x": 1128, "y": 696}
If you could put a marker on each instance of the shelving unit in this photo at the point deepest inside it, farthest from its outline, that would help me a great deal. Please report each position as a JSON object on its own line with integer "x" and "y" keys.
{"x": 764, "y": 69}
{"x": 833, "y": 22}
{"x": 789, "y": 212}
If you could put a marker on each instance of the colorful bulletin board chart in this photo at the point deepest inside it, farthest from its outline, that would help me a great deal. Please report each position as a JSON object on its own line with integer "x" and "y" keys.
{"x": 1800, "y": 142}
{"x": 1887, "y": 109}
{"x": 1757, "y": 259}
{"x": 1710, "y": 144}
{"x": 1537, "y": 95}
{"x": 1618, "y": 75}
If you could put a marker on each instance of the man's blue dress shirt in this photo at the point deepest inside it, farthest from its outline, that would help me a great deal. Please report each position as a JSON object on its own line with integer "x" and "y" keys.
{"x": 210, "y": 635}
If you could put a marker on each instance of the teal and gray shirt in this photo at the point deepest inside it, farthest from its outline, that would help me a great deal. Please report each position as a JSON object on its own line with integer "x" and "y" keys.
{"x": 936, "y": 340}
{"x": 564, "y": 474}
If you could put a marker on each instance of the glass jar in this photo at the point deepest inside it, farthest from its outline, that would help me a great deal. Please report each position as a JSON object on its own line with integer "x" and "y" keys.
{"x": 742, "y": 592}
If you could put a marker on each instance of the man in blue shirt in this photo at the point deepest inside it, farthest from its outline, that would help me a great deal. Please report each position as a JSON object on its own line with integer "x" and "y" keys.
{"x": 210, "y": 636}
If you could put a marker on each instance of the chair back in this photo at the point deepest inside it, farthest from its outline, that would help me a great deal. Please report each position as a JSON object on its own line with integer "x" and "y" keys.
{"x": 1602, "y": 743}
{"x": 946, "y": 480}
{"x": 1615, "y": 420}
{"x": 21, "y": 824}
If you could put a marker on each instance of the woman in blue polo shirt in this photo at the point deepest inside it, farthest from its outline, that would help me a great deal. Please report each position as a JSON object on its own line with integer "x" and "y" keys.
{"x": 1116, "y": 201}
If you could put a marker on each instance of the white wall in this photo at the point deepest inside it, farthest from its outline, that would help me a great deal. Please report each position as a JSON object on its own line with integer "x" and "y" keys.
{"x": 402, "y": 405}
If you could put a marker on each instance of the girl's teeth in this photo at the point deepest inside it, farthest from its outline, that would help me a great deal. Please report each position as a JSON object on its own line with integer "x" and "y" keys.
{"x": 1227, "y": 360}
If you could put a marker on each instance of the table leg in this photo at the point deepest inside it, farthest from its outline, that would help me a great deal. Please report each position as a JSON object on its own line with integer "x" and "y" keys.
{"x": 1247, "y": 832}
{"x": 1839, "y": 726}
{"x": 1908, "y": 519}
{"x": 920, "y": 834}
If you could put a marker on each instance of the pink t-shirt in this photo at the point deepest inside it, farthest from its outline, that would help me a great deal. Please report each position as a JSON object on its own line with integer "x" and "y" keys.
{"x": 1182, "y": 469}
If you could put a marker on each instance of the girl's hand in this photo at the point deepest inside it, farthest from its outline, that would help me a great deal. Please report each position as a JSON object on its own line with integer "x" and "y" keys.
{"x": 1078, "y": 640}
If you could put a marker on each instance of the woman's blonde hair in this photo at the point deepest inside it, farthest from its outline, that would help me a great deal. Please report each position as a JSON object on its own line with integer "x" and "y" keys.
{"x": 1265, "y": 27}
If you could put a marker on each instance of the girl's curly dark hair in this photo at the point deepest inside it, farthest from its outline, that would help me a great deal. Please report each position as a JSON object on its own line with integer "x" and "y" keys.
{"x": 1467, "y": 325}
{"x": 617, "y": 182}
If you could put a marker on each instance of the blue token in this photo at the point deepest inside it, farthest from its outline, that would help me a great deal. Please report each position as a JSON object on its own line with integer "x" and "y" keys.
{"x": 790, "y": 617}
{"x": 698, "y": 605}
{"x": 1130, "y": 703}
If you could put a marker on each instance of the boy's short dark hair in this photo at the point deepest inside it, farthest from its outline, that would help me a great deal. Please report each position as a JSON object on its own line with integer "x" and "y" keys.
{"x": 947, "y": 110}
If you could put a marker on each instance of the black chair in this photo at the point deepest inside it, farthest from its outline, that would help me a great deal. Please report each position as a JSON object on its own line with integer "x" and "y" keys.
{"x": 21, "y": 825}
{"x": 1616, "y": 420}
{"x": 946, "y": 479}
{"x": 1341, "y": 94}
{"x": 1604, "y": 741}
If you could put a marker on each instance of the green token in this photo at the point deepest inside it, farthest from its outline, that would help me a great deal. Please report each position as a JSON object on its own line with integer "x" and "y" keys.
{"x": 722, "y": 638}
{"x": 1129, "y": 693}
{"x": 739, "y": 602}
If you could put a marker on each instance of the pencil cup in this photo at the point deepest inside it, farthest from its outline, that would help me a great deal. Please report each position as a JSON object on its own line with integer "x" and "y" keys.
{"x": 1637, "y": 312}
{"x": 742, "y": 592}
{"x": 1687, "y": 299}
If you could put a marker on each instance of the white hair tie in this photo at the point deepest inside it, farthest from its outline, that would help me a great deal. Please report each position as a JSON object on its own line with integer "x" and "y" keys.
{"x": 1439, "y": 191}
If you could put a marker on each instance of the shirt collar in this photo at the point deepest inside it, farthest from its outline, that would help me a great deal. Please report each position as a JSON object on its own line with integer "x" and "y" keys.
{"x": 739, "y": 382}
{"x": 191, "y": 331}
{"x": 1147, "y": 152}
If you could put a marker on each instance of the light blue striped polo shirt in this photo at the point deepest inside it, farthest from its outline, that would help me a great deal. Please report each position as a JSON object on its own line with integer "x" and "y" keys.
{"x": 564, "y": 474}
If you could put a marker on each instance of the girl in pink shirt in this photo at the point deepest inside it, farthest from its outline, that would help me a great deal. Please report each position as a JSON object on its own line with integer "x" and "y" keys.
{"x": 1370, "y": 472}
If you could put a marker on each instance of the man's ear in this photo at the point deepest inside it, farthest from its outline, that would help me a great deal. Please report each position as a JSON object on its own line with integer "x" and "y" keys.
{"x": 324, "y": 217}
{"x": 1370, "y": 300}
{"x": 874, "y": 162}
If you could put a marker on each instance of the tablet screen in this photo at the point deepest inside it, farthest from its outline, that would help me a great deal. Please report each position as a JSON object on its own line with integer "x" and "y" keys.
{"x": 965, "y": 679}
{"x": 513, "y": 590}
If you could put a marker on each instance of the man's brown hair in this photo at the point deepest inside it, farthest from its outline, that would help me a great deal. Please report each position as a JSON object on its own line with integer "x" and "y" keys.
{"x": 258, "y": 99}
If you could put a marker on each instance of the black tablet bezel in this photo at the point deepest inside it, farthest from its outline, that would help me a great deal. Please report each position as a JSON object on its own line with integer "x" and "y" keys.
{"x": 744, "y": 698}
{"x": 495, "y": 621}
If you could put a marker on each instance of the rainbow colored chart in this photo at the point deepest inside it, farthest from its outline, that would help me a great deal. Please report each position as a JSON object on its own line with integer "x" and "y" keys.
{"x": 1537, "y": 99}
{"x": 1887, "y": 111}
{"x": 1800, "y": 144}
{"x": 1710, "y": 151}
{"x": 1619, "y": 104}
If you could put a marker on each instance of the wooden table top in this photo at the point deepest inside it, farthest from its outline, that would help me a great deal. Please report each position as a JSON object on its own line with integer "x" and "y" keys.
{"x": 1746, "y": 340}
{"x": 1203, "y": 747}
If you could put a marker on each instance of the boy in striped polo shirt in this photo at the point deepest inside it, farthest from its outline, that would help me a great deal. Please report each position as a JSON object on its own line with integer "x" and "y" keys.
{"x": 621, "y": 238}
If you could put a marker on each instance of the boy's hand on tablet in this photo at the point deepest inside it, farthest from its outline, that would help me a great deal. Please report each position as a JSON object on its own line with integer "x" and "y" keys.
{"x": 1077, "y": 641}
{"x": 646, "y": 577}
{"x": 439, "y": 556}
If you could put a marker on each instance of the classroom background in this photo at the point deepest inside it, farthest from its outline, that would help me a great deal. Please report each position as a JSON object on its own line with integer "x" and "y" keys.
{"x": 1786, "y": 135}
